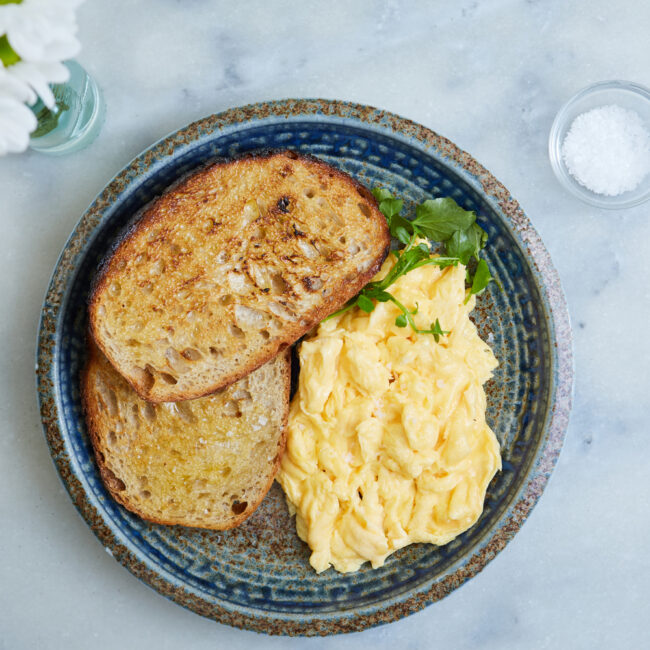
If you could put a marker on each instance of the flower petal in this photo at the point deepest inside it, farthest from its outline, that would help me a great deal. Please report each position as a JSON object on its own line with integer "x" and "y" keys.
{"x": 16, "y": 123}
{"x": 11, "y": 86}
{"x": 31, "y": 73}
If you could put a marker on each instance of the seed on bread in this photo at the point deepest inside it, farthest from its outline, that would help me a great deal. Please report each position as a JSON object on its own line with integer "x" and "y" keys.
{"x": 234, "y": 263}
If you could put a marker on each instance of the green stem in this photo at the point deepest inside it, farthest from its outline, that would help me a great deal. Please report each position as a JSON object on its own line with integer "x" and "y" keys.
{"x": 347, "y": 307}
{"x": 47, "y": 119}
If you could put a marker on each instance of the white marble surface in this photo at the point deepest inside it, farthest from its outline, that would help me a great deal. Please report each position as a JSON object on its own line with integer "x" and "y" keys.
{"x": 488, "y": 75}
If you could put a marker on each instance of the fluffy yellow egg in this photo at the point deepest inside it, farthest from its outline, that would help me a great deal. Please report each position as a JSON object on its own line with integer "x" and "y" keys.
{"x": 387, "y": 439}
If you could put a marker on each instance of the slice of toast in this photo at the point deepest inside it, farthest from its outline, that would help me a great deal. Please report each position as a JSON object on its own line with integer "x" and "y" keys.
{"x": 232, "y": 265}
{"x": 206, "y": 463}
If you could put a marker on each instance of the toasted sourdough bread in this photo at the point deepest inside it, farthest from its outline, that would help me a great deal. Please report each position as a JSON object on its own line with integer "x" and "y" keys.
{"x": 206, "y": 463}
{"x": 231, "y": 265}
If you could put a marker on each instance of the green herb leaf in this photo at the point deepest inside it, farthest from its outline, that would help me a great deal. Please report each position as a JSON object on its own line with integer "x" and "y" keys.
{"x": 375, "y": 292}
{"x": 401, "y": 234}
{"x": 406, "y": 261}
{"x": 482, "y": 277}
{"x": 391, "y": 207}
{"x": 439, "y": 219}
{"x": 437, "y": 331}
{"x": 381, "y": 194}
{"x": 466, "y": 244}
{"x": 365, "y": 303}
{"x": 400, "y": 228}
{"x": 442, "y": 262}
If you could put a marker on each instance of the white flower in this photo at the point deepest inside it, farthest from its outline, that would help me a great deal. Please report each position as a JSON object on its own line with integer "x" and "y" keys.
{"x": 42, "y": 33}
{"x": 36, "y": 78}
{"x": 16, "y": 120}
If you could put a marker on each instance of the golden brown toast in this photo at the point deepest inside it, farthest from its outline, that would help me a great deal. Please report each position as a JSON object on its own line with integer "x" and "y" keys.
{"x": 206, "y": 463}
{"x": 232, "y": 265}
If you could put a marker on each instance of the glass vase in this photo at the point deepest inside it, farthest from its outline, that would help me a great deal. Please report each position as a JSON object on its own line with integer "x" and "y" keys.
{"x": 76, "y": 118}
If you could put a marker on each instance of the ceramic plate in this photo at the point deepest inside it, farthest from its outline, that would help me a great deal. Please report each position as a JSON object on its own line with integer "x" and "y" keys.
{"x": 258, "y": 576}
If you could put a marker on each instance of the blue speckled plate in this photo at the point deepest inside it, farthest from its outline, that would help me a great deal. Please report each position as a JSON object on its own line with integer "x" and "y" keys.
{"x": 258, "y": 575}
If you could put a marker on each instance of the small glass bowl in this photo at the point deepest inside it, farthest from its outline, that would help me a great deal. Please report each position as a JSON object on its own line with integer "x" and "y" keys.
{"x": 626, "y": 95}
{"x": 76, "y": 118}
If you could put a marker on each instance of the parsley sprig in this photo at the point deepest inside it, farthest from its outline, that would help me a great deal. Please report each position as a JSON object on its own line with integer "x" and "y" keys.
{"x": 438, "y": 220}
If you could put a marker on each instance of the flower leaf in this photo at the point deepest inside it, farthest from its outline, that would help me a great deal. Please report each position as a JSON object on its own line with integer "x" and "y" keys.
{"x": 8, "y": 55}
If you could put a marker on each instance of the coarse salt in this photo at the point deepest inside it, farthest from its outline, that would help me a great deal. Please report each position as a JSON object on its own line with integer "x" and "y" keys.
{"x": 607, "y": 149}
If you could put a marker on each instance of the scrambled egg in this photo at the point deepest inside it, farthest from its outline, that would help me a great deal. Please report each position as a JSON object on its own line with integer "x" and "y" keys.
{"x": 387, "y": 440}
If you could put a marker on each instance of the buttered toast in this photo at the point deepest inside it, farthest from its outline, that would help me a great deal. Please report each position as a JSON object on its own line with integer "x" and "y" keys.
{"x": 206, "y": 463}
{"x": 229, "y": 267}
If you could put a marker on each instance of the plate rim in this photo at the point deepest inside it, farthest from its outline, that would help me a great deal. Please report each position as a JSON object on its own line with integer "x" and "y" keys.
{"x": 547, "y": 282}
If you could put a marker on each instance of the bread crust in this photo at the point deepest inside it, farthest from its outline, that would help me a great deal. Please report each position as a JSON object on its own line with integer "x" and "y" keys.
{"x": 346, "y": 287}
{"x": 94, "y": 417}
